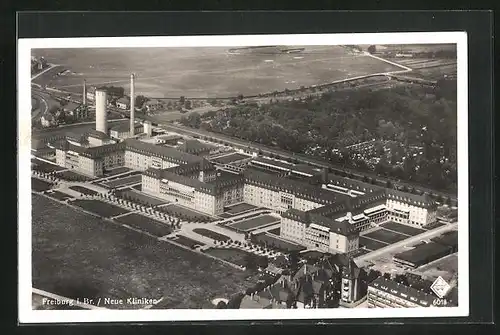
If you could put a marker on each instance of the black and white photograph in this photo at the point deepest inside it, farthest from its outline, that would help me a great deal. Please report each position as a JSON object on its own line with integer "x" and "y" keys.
{"x": 197, "y": 178}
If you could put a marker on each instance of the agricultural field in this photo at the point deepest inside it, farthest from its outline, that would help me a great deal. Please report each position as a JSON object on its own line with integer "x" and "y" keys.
{"x": 109, "y": 261}
{"x": 206, "y": 72}
{"x": 254, "y": 223}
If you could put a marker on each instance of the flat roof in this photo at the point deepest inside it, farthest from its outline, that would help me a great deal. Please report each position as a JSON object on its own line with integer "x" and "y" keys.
{"x": 402, "y": 291}
{"x": 422, "y": 253}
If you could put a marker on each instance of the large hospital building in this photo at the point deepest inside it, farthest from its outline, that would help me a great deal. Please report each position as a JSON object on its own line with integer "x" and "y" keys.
{"x": 318, "y": 210}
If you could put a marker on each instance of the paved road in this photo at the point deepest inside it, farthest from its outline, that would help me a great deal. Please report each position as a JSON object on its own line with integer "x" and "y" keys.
{"x": 409, "y": 241}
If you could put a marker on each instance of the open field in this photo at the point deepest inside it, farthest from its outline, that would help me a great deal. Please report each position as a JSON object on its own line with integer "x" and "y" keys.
{"x": 386, "y": 236}
{"x": 141, "y": 198}
{"x": 254, "y": 223}
{"x": 40, "y": 185}
{"x": 445, "y": 267}
{"x": 99, "y": 207}
{"x": 146, "y": 224}
{"x": 83, "y": 190}
{"x": 400, "y": 228}
{"x": 235, "y": 256}
{"x": 123, "y": 181}
{"x": 211, "y": 234}
{"x": 239, "y": 208}
{"x": 206, "y": 72}
{"x": 109, "y": 261}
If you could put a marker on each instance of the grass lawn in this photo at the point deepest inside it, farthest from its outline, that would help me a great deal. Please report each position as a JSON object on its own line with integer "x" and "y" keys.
{"x": 72, "y": 176}
{"x": 254, "y": 223}
{"x": 275, "y": 231}
{"x": 77, "y": 255}
{"x": 124, "y": 181}
{"x": 371, "y": 244}
{"x": 190, "y": 215}
{"x": 235, "y": 256}
{"x": 116, "y": 171}
{"x": 146, "y": 224}
{"x": 386, "y": 236}
{"x": 83, "y": 190}
{"x": 99, "y": 207}
{"x": 141, "y": 198}
{"x": 239, "y": 208}
{"x": 186, "y": 241}
{"x": 277, "y": 243}
{"x": 211, "y": 234}
{"x": 58, "y": 195}
{"x": 46, "y": 167}
{"x": 400, "y": 228}
{"x": 40, "y": 185}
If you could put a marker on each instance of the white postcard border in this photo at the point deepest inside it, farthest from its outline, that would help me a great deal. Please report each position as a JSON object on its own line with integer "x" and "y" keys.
{"x": 28, "y": 315}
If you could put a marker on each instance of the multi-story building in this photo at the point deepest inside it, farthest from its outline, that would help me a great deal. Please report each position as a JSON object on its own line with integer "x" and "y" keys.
{"x": 122, "y": 131}
{"x": 281, "y": 194}
{"x": 386, "y": 293}
{"x": 131, "y": 153}
{"x": 196, "y": 185}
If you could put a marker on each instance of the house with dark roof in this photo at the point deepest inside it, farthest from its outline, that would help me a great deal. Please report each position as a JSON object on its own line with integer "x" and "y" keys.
{"x": 196, "y": 147}
{"x": 123, "y": 103}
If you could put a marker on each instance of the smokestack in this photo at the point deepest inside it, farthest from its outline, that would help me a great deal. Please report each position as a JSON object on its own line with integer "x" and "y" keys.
{"x": 101, "y": 117}
{"x": 84, "y": 92}
{"x": 132, "y": 105}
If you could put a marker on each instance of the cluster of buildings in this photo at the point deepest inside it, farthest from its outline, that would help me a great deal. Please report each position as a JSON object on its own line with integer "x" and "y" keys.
{"x": 318, "y": 210}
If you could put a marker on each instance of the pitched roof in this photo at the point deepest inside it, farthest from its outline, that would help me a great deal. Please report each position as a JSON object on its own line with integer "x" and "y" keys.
{"x": 298, "y": 188}
{"x": 124, "y": 127}
{"x": 193, "y": 146}
{"x": 404, "y": 292}
{"x": 97, "y": 134}
{"x": 160, "y": 151}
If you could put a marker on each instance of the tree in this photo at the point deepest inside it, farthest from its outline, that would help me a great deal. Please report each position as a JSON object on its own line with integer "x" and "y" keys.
{"x": 388, "y": 184}
{"x": 188, "y": 104}
{"x": 372, "y": 49}
{"x": 182, "y": 99}
{"x": 262, "y": 262}
{"x": 140, "y": 100}
{"x": 235, "y": 301}
{"x": 221, "y": 305}
{"x": 250, "y": 262}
